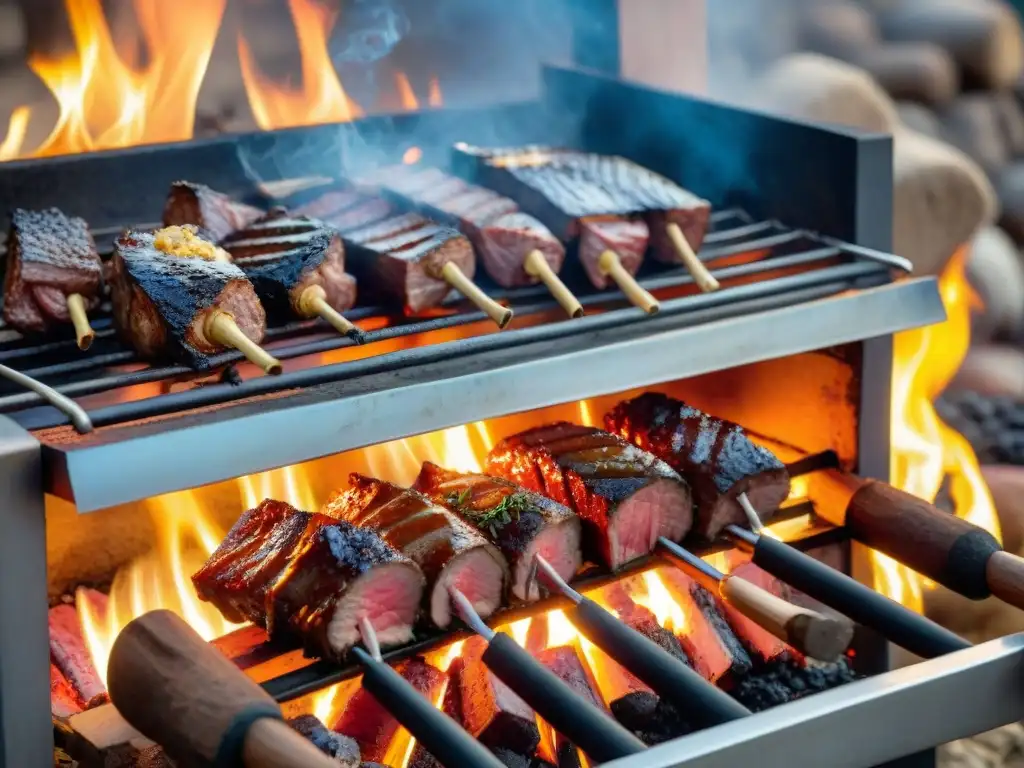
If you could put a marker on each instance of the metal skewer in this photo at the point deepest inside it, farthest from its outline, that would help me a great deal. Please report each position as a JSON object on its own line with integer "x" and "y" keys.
{"x": 595, "y": 732}
{"x": 79, "y": 418}
{"x": 693, "y": 696}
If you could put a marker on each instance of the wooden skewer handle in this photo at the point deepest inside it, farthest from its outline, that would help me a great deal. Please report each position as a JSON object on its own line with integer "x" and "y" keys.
{"x": 814, "y": 634}
{"x": 610, "y": 265}
{"x": 222, "y": 328}
{"x": 179, "y": 691}
{"x": 704, "y": 279}
{"x": 957, "y": 554}
{"x": 537, "y": 266}
{"x": 313, "y": 303}
{"x": 80, "y": 320}
{"x": 457, "y": 279}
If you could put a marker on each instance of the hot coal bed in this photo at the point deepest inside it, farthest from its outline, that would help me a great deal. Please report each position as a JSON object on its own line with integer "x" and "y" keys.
{"x": 796, "y": 347}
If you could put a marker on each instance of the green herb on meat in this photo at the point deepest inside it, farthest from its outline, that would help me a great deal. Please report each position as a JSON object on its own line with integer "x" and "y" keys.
{"x": 493, "y": 519}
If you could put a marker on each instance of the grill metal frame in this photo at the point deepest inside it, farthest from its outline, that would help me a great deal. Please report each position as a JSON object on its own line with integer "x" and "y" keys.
{"x": 774, "y": 169}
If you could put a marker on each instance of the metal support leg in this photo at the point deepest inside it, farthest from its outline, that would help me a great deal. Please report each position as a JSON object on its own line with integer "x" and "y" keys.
{"x": 26, "y": 733}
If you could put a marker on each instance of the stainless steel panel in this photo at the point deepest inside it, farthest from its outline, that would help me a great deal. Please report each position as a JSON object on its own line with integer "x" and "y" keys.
{"x": 101, "y": 470}
{"x": 868, "y": 722}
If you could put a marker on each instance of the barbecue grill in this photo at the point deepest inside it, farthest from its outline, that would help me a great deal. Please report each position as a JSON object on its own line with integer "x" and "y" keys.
{"x": 799, "y": 240}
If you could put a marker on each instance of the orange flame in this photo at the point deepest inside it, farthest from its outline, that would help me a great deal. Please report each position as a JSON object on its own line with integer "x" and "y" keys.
{"x": 405, "y": 92}
{"x": 926, "y": 451}
{"x": 412, "y": 155}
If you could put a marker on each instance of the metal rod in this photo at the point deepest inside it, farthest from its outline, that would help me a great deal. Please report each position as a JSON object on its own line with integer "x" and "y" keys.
{"x": 748, "y": 509}
{"x": 467, "y": 613}
{"x": 550, "y": 576}
{"x": 79, "y": 418}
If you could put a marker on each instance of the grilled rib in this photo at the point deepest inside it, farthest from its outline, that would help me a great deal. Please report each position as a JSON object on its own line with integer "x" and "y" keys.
{"x": 450, "y": 552}
{"x": 162, "y": 302}
{"x": 50, "y": 256}
{"x": 625, "y": 497}
{"x": 522, "y": 524}
{"x": 312, "y": 576}
{"x": 215, "y": 214}
{"x": 715, "y": 456}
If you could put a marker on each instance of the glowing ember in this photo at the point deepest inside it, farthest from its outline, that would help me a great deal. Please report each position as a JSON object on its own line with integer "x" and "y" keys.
{"x": 412, "y": 156}
{"x": 405, "y": 92}
{"x": 925, "y": 451}
{"x": 659, "y": 601}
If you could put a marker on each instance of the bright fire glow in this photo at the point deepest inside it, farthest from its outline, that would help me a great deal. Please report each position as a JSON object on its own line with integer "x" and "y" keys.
{"x": 659, "y": 601}
{"x": 412, "y": 155}
{"x": 926, "y": 451}
{"x": 107, "y": 99}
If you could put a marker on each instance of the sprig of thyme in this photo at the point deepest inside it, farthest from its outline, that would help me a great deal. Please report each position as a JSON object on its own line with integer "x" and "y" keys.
{"x": 495, "y": 518}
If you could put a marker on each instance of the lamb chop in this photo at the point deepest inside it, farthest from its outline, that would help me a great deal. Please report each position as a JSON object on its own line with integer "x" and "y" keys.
{"x": 177, "y": 296}
{"x": 54, "y": 274}
{"x": 450, "y": 552}
{"x": 522, "y": 524}
{"x": 309, "y": 575}
{"x": 625, "y": 497}
{"x": 306, "y": 280}
{"x": 516, "y": 249}
{"x": 714, "y": 455}
{"x": 213, "y": 213}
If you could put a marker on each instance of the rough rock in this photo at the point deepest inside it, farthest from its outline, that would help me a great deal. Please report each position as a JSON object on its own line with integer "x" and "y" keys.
{"x": 996, "y": 271}
{"x": 973, "y": 124}
{"x": 940, "y": 200}
{"x": 983, "y": 36}
{"x": 1007, "y": 486}
{"x": 994, "y": 369}
{"x": 921, "y": 72}
{"x": 814, "y": 87}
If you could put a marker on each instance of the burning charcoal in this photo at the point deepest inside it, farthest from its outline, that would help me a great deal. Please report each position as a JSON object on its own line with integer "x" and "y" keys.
{"x": 569, "y": 667}
{"x": 654, "y": 721}
{"x": 72, "y": 658}
{"x": 153, "y": 757}
{"x": 620, "y": 499}
{"x": 715, "y": 456}
{"x": 343, "y": 749}
{"x": 520, "y": 523}
{"x": 64, "y": 699}
{"x": 490, "y": 710}
{"x": 279, "y": 559}
{"x": 785, "y": 681}
{"x": 214, "y": 213}
{"x": 447, "y": 549}
{"x": 512, "y": 759}
{"x": 993, "y": 424}
{"x": 714, "y": 649}
{"x": 372, "y": 726}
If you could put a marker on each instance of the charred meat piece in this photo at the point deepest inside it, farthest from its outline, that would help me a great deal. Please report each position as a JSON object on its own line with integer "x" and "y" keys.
{"x": 372, "y": 726}
{"x": 520, "y": 523}
{"x": 275, "y": 232}
{"x": 387, "y": 229}
{"x": 504, "y": 243}
{"x": 714, "y": 455}
{"x": 215, "y": 214}
{"x": 342, "y": 748}
{"x": 450, "y": 552}
{"x": 162, "y": 302}
{"x": 764, "y": 647}
{"x": 707, "y": 638}
{"x": 628, "y": 238}
{"x": 491, "y": 711}
{"x": 50, "y": 256}
{"x": 625, "y": 497}
{"x": 311, "y": 576}
{"x": 282, "y": 280}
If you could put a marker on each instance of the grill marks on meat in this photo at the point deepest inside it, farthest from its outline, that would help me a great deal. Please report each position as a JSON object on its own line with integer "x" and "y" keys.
{"x": 50, "y": 256}
{"x": 624, "y": 496}
{"x": 282, "y": 279}
{"x": 490, "y": 710}
{"x": 215, "y": 214}
{"x": 715, "y": 456}
{"x": 521, "y": 523}
{"x": 372, "y": 726}
{"x": 161, "y": 303}
{"x": 502, "y": 236}
{"x": 450, "y": 552}
{"x": 275, "y": 232}
{"x": 313, "y": 577}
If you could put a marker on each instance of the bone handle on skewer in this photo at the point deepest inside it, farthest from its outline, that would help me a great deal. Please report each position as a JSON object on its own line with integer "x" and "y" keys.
{"x": 537, "y": 266}
{"x": 221, "y": 328}
{"x": 611, "y": 266}
{"x": 179, "y": 691}
{"x": 457, "y": 279}
{"x": 313, "y": 303}
{"x": 83, "y": 331}
{"x": 704, "y": 279}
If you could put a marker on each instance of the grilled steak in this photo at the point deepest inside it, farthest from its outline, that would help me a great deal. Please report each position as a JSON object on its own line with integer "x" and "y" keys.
{"x": 490, "y": 710}
{"x": 715, "y": 456}
{"x": 626, "y": 237}
{"x": 387, "y": 229}
{"x": 343, "y": 749}
{"x": 450, "y": 552}
{"x": 49, "y": 257}
{"x": 275, "y": 232}
{"x": 326, "y": 205}
{"x": 162, "y": 302}
{"x": 311, "y": 576}
{"x": 625, "y": 497}
{"x": 372, "y": 726}
{"x": 522, "y": 524}
{"x": 281, "y": 279}
{"x": 215, "y": 214}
